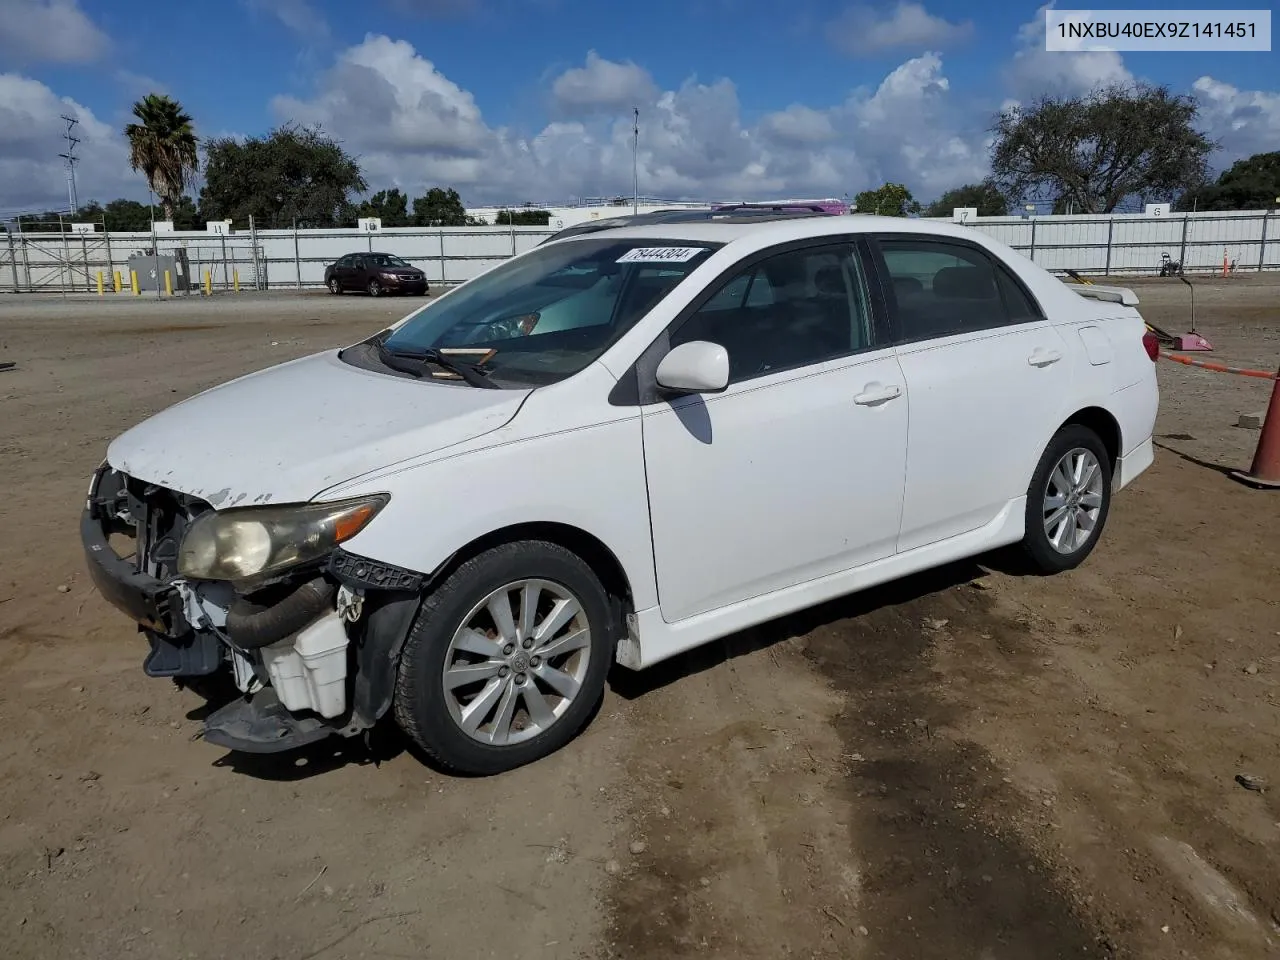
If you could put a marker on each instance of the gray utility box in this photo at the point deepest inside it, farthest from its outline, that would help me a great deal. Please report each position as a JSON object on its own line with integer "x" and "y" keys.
{"x": 150, "y": 269}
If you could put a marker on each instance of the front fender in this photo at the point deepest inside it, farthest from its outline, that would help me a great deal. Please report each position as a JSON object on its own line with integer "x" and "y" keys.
{"x": 591, "y": 478}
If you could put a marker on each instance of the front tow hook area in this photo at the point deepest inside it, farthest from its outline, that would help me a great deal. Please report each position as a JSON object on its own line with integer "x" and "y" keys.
{"x": 259, "y": 723}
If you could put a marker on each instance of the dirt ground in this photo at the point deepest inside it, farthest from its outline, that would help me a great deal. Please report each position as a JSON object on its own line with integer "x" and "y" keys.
{"x": 969, "y": 764}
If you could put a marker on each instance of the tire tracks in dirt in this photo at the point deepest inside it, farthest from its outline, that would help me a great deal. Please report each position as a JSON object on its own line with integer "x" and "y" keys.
{"x": 803, "y": 791}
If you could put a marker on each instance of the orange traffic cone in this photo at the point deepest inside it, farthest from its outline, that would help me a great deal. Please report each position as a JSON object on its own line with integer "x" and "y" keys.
{"x": 1265, "y": 471}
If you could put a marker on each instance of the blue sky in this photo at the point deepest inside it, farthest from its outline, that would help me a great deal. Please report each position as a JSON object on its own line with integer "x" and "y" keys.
{"x": 511, "y": 100}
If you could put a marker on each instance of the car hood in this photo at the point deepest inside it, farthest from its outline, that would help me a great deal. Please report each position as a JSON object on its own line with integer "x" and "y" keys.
{"x": 286, "y": 433}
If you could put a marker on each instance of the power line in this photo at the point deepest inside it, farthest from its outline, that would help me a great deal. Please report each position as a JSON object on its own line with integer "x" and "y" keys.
{"x": 71, "y": 159}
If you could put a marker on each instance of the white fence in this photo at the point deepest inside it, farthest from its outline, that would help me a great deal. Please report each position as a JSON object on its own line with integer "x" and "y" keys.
{"x": 1133, "y": 243}
{"x": 261, "y": 259}
{"x": 295, "y": 259}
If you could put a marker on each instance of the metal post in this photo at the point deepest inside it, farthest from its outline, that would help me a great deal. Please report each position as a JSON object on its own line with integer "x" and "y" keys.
{"x": 513, "y": 233}
{"x": 442, "y": 256}
{"x": 106, "y": 236}
{"x": 1262, "y": 248}
{"x": 635, "y": 163}
{"x": 155, "y": 256}
{"x": 26, "y": 262}
{"x": 1182, "y": 249}
{"x": 297, "y": 262}
{"x": 1032, "y": 258}
{"x": 84, "y": 255}
{"x": 66, "y": 258}
{"x": 253, "y": 243}
{"x": 223, "y": 238}
{"x": 1111, "y": 225}
{"x": 13, "y": 259}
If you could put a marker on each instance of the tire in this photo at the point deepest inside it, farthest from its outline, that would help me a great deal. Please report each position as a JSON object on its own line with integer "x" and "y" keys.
{"x": 335, "y": 286}
{"x": 374, "y": 288}
{"x": 433, "y": 716}
{"x": 1076, "y": 533}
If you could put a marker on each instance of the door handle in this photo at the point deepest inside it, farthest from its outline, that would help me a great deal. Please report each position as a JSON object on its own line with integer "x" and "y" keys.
{"x": 875, "y": 393}
{"x": 1042, "y": 358}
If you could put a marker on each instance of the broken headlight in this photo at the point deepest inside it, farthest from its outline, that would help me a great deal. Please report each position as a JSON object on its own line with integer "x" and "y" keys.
{"x": 250, "y": 542}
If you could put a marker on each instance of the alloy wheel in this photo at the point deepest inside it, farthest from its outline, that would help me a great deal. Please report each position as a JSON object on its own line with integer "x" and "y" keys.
{"x": 1073, "y": 500}
{"x": 517, "y": 662}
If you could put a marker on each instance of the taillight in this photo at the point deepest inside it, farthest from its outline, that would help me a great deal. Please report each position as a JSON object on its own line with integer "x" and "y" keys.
{"x": 1152, "y": 345}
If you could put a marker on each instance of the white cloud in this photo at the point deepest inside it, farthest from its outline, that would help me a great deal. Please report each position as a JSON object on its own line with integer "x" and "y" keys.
{"x": 1244, "y": 121}
{"x": 32, "y": 178}
{"x": 299, "y": 16}
{"x": 1036, "y": 72}
{"x": 864, "y": 31}
{"x": 385, "y": 99}
{"x": 601, "y": 85}
{"x": 798, "y": 124}
{"x": 53, "y": 31}
{"x": 413, "y": 127}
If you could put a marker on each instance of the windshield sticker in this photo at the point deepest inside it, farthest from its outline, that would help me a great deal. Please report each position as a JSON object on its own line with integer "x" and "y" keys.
{"x": 661, "y": 254}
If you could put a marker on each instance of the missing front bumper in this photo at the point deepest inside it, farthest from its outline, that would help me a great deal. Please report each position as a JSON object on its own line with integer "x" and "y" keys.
{"x": 260, "y": 723}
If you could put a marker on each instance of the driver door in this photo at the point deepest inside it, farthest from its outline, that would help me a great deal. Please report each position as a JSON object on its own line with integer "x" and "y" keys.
{"x": 796, "y": 470}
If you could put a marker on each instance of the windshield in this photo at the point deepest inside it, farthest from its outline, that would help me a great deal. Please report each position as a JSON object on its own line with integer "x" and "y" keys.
{"x": 385, "y": 260}
{"x": 545, "y": 316}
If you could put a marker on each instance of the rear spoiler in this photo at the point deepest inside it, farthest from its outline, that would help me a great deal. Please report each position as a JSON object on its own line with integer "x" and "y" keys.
{"x": 1121, "y": 295}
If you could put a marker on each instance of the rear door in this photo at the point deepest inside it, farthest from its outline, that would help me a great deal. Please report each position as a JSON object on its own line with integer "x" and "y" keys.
{"x": 988, "y": 382}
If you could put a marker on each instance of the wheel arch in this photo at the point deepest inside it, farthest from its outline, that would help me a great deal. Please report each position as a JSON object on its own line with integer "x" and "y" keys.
{"x": 594, "y": 551}
{"x": 1102, "y": 422}
{"x": 390, "y": 621}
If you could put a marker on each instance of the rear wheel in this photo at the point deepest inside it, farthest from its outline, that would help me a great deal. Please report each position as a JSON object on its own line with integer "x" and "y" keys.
{"x": 506, "y": 660}
{"x": 375, "y": 288}
{"x": 1068, "y": 500}
{"x": 334, "y": 286}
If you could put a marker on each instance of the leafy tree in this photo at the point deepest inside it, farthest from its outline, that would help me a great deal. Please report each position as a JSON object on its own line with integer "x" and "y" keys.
{"x": 127, "y": 215}
{"x": 1249, "y": 184}
{"x": 890, "y": 200}
{"x": 989, "y": 201}
{"x": 291, "y": 173}
{"x": 1094, "y": 151}
{"x": 522, "y": 218}
{"x": 439, "y": 208}
{"x": 163, "y": 147}
{"x": 391, "y": 206}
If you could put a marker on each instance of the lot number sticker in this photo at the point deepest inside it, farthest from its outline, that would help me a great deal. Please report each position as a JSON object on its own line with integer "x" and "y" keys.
{"x": 660, "y": 254}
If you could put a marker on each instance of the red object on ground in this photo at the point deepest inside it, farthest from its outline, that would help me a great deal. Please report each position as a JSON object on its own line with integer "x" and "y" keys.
{"x": 1265, "y": 471}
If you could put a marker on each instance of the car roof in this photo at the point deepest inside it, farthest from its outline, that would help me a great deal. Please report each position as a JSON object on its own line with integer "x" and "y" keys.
{"x": 769, "y": 230}
{"x": 729, "y": 212}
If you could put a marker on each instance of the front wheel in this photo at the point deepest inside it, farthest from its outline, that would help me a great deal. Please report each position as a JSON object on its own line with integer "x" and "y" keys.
{"x": 506, "y": 660}
{"x": 334, "y": 286}
{"x": 375, "y": 288}
{"x": 1068, "y": 500}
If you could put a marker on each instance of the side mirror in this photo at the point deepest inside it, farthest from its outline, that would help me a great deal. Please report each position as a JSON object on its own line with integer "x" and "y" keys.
{"x": 694, "y": 367}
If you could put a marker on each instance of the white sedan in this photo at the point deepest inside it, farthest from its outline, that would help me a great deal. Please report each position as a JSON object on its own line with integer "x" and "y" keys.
{"x": 614, "y": 448}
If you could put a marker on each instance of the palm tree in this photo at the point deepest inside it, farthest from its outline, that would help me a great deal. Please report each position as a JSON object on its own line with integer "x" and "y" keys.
{"x": 163, "y": 147}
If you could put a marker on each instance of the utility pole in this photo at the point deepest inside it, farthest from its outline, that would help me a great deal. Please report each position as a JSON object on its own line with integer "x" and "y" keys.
{"x": 635, "y": 162}
{"x": 71, "y": 158}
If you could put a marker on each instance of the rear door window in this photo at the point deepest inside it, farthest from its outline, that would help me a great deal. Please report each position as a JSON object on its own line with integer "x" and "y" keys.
{"x": 940, "y": 289}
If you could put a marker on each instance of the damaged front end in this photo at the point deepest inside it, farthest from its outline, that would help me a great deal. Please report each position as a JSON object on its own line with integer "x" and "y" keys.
{"x": 310, "y": 633}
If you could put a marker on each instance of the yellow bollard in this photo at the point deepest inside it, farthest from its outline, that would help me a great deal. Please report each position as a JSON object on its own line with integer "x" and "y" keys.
{"x": 168, "y": 284}
{"x": 100, "y": 285}
{"x": 133, "y": 282}
{"x": 235, "y": 279}
{"x": 116, "y": 280}
{"x": 208, "y": 284}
